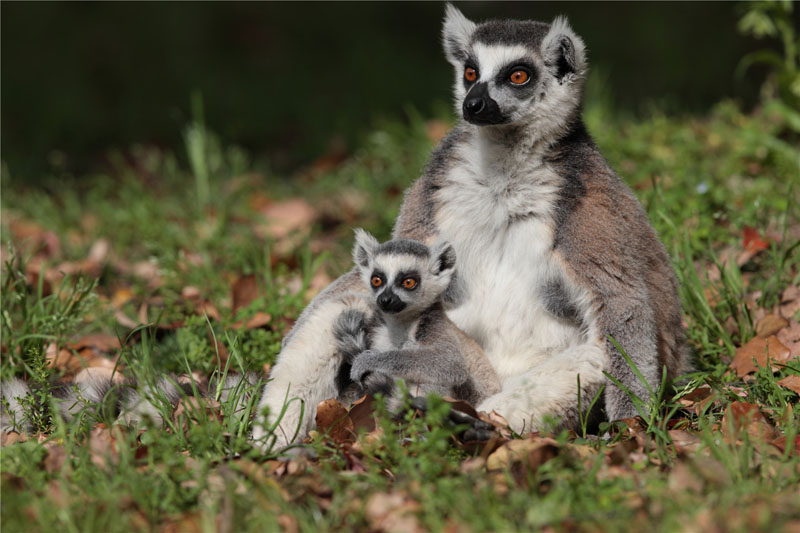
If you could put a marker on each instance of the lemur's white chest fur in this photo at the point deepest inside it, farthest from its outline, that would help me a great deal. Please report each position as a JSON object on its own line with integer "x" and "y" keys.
{"x": 498, "y": 216}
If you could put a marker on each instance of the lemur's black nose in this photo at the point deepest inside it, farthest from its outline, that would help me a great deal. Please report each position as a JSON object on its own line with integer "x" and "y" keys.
{"x": 474, "y": 106}
{"x": 479, "y": 107}
{"x": 390, "y": 302}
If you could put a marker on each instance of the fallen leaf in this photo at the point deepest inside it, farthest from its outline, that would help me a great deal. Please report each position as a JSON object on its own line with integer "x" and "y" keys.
{"x": 332, "y": 418}
{"x": 245, "y": 291}
{"x": 684, "y": 441}
{"x": 190, "y": 293}
{"x": 790, "y": 337}
{"x": 392, "y": 512}
{"x": 760, "y": 350}
{"x": 683, "y": 479}
{"x": 532, "y": 452}
{"x": 770, "y": 325}
{"x": 288, "y": 216}
{"x": 791, "y": 382}
{"x": 747, "y": 417}
{"x": 363, "y": 415}
{"x": 258, "y": 320}
{"x": 790, "y": 302}
{"x": 700, "y": 393}
{"x": 121, "y": 296}
{"x": 99, "y": 251}
{"x": 102, "y": 342}
{"x": 208, "y": 309}
{"x": 752, "y": 240}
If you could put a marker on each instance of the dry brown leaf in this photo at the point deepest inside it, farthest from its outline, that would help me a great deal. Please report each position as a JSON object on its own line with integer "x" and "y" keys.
{"x": 746, "y": 417}
{"x": 684, "y": 441}
{"x": 101, "y": 447}
{"x": 288, "y": 216}
{"x": 700, "y": 393}
{"x": 791, "y": 382}
{"x": 790, "y": 302}
{"x": 245, "y": 290}
{"x": 99, "y": 251}
{"x": 363, "y": 415}
{"x": 120, "y": 297}
{"x": 55, "y": 458}
{"x": 12, "y": 437}
{"x": 684, "y": 479}
{"x": 258, "y": 320}
{"x": 190, "y": 293}
{"x": 392, "y": 512}
{"x": 761, "y": 350}
{"x": 288, "y": 523}
{"x": 532, "y": 452}
{"x": 790, "y": 337}
{"x": 770, "y": 325}
{"x": 332, "y": 418}
{"x": 102, "y": 342}
{"x": 208, "y": 309}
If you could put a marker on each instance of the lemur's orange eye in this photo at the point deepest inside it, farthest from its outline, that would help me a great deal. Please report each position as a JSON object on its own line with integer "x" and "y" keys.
{"x": 376, "y": 281}
{"x": 409, "y": 283}
{"x": 519, "y": 77}
{"x": 470, "y": 74}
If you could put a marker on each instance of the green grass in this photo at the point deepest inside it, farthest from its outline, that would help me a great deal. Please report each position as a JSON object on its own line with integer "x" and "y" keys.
{"x": 193, "y": 218}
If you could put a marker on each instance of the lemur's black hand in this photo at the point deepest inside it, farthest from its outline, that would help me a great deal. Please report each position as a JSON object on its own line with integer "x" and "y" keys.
{"x": 477, "y": 430}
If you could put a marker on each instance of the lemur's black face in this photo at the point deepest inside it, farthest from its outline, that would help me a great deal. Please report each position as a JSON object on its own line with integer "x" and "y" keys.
{"x": 392, "y": 294}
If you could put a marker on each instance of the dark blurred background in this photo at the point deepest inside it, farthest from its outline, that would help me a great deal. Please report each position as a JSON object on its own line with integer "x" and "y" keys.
{"x": 285, "y": 80}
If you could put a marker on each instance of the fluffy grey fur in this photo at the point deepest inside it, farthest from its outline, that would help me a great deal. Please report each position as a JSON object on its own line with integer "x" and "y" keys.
{"x": 99, "y": 393}
{"x": 555, "y": 254}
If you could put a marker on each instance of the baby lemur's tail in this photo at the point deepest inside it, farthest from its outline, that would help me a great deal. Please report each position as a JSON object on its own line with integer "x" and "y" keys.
{"x": 350, "y": 332}
{"x": 352, "y": 337}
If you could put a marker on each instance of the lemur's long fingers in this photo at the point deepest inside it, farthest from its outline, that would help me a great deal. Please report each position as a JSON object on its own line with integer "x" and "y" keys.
{"x": 477, "y": 430}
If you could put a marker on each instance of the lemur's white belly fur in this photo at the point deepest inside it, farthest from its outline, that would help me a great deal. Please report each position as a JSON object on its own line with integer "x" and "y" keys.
{"x": 500, "y": 226}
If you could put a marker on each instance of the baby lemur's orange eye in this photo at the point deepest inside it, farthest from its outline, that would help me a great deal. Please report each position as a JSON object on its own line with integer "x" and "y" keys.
{"x": 519, "y": 77}
{"x": 376, "y": 281}
{"x": 409, "y": 283}
{"x": 470, "y": 74}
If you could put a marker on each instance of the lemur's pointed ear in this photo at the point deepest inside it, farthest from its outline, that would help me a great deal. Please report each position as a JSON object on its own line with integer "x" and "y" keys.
{"x": 364, "y": 248}
{"x": 456, "y": 34}
{"x": 443, "y": 258}
{"x": 564, "y": 51}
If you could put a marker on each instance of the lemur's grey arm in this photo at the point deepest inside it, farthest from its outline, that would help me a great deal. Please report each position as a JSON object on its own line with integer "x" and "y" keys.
{"x": 419, "y": 365}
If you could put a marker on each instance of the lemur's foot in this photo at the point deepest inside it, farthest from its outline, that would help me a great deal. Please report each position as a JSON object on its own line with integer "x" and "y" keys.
{"x": 476, "y": 431}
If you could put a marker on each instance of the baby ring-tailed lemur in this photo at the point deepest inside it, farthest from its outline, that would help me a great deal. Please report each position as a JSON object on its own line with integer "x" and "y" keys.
{"x": 408, "y": 336}
{"x": 555, "y": 255}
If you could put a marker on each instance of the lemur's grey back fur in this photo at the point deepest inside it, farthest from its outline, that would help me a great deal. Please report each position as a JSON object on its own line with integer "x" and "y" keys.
{"x": 556, "y": 256}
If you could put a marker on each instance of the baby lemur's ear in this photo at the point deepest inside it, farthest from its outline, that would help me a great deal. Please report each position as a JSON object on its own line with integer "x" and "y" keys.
{"x": 564, "y": 51}
{"x": 456, "y": 34}
{"x": 443, "y": 258}
{"x": 364, "y": 248}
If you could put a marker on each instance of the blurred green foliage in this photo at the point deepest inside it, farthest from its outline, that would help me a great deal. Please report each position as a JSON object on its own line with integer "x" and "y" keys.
{"x": 289, "y": 82}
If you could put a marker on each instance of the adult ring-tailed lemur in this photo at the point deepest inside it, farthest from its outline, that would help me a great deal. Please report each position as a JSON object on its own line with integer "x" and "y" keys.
{"x": 556, "y": 256}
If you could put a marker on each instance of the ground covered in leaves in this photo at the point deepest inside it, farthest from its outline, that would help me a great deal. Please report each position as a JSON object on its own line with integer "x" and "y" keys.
{"x": 192, "y": 263}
